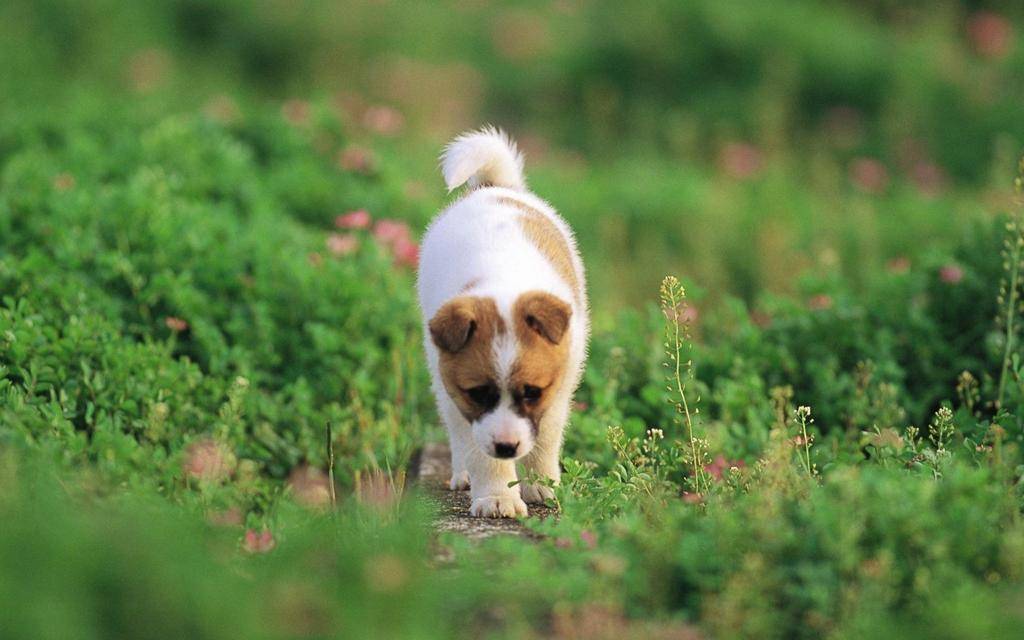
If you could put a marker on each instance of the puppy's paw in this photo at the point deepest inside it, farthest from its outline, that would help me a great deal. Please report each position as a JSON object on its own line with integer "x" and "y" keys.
{"x": 536, "y": 493}
{"x": 503, "y": 506}
{"x": 459, "y": 481}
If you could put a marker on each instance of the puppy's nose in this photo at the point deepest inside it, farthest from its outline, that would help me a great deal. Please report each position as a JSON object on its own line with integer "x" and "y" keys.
{"x": 505, "y": 449}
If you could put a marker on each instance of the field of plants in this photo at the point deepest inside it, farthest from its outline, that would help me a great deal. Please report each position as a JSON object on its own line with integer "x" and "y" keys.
{"x": 803, "y": 413}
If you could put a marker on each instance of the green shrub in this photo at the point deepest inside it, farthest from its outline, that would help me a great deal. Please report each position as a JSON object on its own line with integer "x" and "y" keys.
{"x": 164, "y": 270}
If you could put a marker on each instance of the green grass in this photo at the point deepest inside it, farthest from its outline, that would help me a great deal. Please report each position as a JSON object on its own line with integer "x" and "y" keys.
{"x": 129, "y": 437}
{"x": 181, "y": 318}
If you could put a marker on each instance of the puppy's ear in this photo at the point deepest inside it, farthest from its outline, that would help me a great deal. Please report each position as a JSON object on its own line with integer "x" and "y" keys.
{"x": 544, "y": 314}
{"x": 454, "y": 324}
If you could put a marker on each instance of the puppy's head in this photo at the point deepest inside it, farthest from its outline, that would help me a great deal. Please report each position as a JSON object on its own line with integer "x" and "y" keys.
{"x": 503, "y": 373}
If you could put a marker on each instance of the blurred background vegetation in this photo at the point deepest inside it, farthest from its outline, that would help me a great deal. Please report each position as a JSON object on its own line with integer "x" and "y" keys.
{"x": 739, "y": 143}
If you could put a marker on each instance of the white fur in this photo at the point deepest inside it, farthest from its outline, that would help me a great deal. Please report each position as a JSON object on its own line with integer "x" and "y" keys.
{"x": 478, "y": 240}
{"x": 485, "y": 157}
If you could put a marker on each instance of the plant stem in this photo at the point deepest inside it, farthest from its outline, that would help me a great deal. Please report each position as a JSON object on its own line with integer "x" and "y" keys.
{"x": 1011, "y": 306}
{"x": 698, "y": 471}
{"x": 330, "y": 465}
{"x": 807, "y": 447}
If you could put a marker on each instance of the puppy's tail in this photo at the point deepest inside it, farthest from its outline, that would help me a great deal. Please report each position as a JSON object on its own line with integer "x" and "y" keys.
{"x": 484, "y": 158}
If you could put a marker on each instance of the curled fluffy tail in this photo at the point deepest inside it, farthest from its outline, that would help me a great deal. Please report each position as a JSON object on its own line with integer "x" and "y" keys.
{"x": 487, "y": 157}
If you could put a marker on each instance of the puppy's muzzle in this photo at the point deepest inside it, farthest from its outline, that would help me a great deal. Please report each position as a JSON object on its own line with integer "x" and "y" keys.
{"x": 505, "y": 449}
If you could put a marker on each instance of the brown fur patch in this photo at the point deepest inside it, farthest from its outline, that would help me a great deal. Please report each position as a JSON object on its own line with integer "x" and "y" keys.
{"x": 464, "y": 330}
{"x": 549, "y": 240}
{"x": 541, "y": 323}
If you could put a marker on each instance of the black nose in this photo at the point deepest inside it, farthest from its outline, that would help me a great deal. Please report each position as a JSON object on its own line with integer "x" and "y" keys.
{"x": 505, "y": 449}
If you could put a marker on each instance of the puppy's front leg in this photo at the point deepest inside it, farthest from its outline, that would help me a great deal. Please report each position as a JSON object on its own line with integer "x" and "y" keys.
{"x": 543, "y": 464}
{"x": 543, "y": 460}
{"x": 459, "y": 439}
{"x": 488, "y": 480}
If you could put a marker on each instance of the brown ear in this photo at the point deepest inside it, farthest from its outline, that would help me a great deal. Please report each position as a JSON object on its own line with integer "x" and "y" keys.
{"x": 454, "y": 324}
{"x": 544, "y": 314}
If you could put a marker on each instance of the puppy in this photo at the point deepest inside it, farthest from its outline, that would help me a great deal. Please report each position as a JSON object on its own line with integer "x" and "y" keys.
{"x": 502, "y": 292}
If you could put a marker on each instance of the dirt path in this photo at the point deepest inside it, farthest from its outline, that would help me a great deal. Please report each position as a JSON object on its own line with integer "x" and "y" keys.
{"x": 431, "y": 473}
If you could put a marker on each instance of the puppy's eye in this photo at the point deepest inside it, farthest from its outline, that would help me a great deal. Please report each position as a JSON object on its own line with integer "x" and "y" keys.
{"x": 531, "y": 393}
{"x": 485, "y": 395}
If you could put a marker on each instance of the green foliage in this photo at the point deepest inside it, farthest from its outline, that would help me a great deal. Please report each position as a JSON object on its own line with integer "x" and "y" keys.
{"x": 723, "y": 143}
{"x": 141, "y": 567}
{"x": 180, "y": 320}
{"x": 171, "y": 288}
{"x": 862, "y": 80}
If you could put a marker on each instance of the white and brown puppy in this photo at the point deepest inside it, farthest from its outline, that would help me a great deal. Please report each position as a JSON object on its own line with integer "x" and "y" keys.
{"x": 501, "y": 288}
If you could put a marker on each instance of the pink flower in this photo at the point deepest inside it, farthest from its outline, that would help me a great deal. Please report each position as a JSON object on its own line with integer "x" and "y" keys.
{"x": 208, "y": 460}
{"x": 898, "y": 265}
{"x": 177, "y": 325}
{"x": 342, "y": 244}
{"x": 358, "y": 219}
{"x": 315, "y": 259}
{"x": 259, "y": 542}
{"x": 396, "y": 236}
{"x": 689, "y": 314}
{"x": 589, "y": 538}
{"x": 356, "y": 159}
{"x": 384, "y": 120}
{"x": 388, "y": 231}
{"x": 740, "y": 160}
{"x": 951, "y": 274}
{"x": 929, "y": 178}
{"x": 869, "y": 175}
{"x": 580, "y": 406}
{"x": 407, "y": 253}
{"x": 820, "y": 302}
{"x": 990, "y": 34}
{"x": 720, "y": 465}
{"x": 296, "y": 112}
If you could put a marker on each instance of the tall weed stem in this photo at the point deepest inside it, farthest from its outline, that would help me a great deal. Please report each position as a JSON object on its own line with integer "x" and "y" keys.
{"x": 1009, "y": 294}
{"x": 673, "y": 305}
